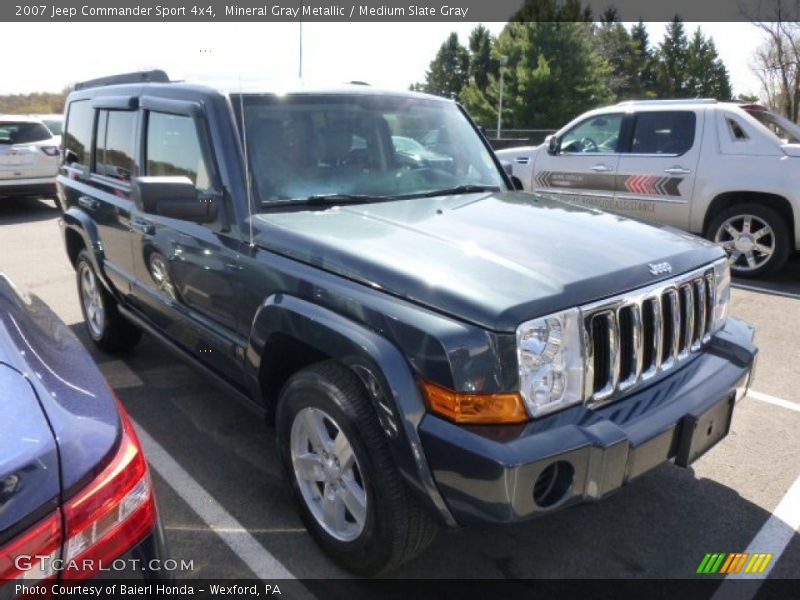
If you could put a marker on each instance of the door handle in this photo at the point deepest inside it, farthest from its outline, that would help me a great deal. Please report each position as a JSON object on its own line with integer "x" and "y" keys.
{"x": 143, "y": 226}
{"x": 677, "y": 171}
{"x": 89, "y": 203}
{"x": 600, "y": 168}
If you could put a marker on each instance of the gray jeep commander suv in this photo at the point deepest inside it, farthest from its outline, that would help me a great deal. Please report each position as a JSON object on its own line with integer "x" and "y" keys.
{"x": 431, "y": 346}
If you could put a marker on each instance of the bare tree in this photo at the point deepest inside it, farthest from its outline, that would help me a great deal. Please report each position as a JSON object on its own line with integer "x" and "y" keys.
{"x": 777, "y": 61}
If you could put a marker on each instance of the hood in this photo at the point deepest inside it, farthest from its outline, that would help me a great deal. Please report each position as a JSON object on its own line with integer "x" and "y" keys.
{"x": 72, "y": 394}
{"x": 523, "y": 153}
{"x": 493, "y": 259}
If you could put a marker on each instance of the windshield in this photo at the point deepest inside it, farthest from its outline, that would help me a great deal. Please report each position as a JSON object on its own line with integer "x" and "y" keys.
{"x": 23, "y": 132}
{"x": 785, "y": 130}
{"x": 360, "y": 145}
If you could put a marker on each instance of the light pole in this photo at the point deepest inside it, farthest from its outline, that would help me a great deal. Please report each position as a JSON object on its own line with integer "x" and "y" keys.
{"x": 503, "y": 63}
{"x": 300, "y": 58}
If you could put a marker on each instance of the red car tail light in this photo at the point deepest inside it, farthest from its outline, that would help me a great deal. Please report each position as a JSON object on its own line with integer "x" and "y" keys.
{"x": 113, "y": 513}
{"x": 22, "y": 557}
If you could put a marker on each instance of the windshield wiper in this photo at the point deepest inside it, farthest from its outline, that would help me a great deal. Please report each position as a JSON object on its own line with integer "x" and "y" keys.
{"x": 326, "y": 200}
{"x": 453, "y": 191}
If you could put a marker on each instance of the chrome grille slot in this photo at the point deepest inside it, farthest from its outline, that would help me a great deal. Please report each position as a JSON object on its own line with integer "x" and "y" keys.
{"x": 632, "y": 338}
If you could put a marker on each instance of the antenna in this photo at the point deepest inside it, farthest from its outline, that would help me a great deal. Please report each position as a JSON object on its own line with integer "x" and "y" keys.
{"x": 246, "y": 163}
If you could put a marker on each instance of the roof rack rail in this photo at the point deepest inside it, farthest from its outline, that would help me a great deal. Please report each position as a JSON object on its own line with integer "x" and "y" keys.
{"x": 154, "y": 76}
{"x": 670, "y": 101}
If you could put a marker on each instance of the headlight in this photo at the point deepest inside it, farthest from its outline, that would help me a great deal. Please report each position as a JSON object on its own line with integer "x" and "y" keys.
{"x": 722, "y": 294}
{"x": 550, "y": 362}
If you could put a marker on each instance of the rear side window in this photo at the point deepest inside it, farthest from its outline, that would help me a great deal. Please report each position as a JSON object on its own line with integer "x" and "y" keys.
{"x": 173, "y": 148}
{"x": 23, "y": 132}
{"x": 78, "y": 137}
{"x": 668, "y": 132}
{"x": 116, "y": 139}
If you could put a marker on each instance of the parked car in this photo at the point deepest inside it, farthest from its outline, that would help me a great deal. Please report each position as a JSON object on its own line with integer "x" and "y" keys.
{"x": 55, "y": 123}
{"x": 29, "y": 157}
{"x": 712, "y": 168}
{"x": 413, "y": 150}
{"x": 76, "y": 500}
{"x": 432, "y": 346}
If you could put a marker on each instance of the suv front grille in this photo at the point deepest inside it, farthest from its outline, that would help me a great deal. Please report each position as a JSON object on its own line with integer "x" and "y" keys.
{"x": 631, "y": 338}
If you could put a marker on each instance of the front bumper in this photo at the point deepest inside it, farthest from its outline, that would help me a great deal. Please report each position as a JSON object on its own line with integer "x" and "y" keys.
{"x": 511, "y": 473}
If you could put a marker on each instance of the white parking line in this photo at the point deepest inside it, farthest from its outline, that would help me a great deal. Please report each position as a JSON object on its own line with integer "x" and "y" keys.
{"x": 773, "y": 400}
{"x": 773, "y": 537}
{"x": 263, "y": 564}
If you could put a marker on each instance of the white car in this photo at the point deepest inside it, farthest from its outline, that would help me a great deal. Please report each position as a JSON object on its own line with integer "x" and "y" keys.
{"x": 29, "y": 157}
{"x": 707, "y": 167}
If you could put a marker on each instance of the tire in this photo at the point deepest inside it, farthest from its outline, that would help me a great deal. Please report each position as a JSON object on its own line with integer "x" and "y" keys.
{"x": 750, "y": 261}
{"x": 109, "y": 330}
{"x": 394, "y": 527}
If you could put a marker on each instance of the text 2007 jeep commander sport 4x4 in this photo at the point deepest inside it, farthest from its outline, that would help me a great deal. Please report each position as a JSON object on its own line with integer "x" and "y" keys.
{"x": 432, "y": 346}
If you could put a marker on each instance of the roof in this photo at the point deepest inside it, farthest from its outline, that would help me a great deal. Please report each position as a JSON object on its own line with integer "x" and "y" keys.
{"x": 158, "y": 80}
{"x": 21, "y": 118}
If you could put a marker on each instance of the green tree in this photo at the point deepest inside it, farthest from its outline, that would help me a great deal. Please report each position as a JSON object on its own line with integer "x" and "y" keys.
{"x": 448, "y": 72}
{"x": 481, "y": 62}
{"x": 615, "y": 44}
{"x": 554, "y": 72}
{"x": 673, "y": 61}
{"x": 644, "y": 63}
{"x": 569, "y": 11}
{"x": 706, "y": 75}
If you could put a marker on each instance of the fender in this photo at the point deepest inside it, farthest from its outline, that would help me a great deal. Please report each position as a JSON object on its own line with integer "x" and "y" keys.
{"x": 382, "y": 368}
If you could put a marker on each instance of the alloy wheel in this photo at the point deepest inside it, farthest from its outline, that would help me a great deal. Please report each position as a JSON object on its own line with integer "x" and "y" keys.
{"x": 328, "y": 474}
{"x": 748, "y": 240}
{"x": 92, "y": 300}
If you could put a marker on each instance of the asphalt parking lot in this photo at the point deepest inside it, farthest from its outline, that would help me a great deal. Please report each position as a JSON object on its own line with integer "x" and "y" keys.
{"x": 225, "y": 507}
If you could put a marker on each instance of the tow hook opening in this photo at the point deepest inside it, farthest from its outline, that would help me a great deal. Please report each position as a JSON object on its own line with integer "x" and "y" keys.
{"x": 553, "y": 484}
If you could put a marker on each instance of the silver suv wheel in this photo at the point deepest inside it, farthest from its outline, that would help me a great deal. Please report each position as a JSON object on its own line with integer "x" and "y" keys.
{"x": 328, "y": 474}
{"x": 748, "y": 239}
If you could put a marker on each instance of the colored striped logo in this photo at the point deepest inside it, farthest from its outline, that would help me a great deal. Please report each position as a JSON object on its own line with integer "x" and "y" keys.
{"x": 734, "y": 562}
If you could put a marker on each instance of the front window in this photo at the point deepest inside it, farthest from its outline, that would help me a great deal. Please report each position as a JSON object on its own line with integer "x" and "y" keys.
{"x": 595, "y": 135}
{"x": 388, "y": 147}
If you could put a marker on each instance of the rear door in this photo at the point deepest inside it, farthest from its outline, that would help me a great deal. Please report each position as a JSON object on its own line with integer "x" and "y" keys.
{"x": 656, "y": 173}
{"x": 99, "y": 152}
{"x": 584, "y": 166}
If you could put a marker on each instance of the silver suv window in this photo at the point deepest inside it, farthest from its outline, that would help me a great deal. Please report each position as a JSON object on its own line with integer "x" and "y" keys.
{"x": 663, "y": 132}
{"x": 595, "y": 135}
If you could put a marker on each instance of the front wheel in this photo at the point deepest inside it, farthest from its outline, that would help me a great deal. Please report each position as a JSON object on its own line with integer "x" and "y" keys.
{"x": 348, "y": 489}
{"x": 755, "y": 237}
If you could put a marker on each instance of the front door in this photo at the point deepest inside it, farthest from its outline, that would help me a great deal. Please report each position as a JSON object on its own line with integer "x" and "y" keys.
{"x": 186, "y": 272}
{"x": 656, "y": 175}
{"x": 585, "y": 163}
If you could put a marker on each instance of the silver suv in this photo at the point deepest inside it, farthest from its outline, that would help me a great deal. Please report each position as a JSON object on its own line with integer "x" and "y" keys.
{"x": 29, "y": 157}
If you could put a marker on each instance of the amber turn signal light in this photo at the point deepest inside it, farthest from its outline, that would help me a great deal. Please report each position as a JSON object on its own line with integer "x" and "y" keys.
{"x": 474, "y": 408}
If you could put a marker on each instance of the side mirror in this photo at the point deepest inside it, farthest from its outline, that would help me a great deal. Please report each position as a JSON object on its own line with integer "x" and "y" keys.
{"x": 174, "y": 197}
{"x": 553, "y": 144}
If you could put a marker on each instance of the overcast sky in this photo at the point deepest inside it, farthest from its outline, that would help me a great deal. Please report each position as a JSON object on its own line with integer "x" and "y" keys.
{"x": 48, "y": 56}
